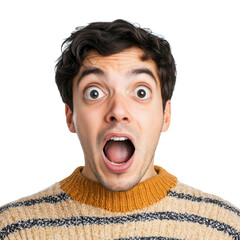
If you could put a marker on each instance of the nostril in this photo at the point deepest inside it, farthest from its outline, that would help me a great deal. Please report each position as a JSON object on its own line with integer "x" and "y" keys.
{"x": 112, "y": 118}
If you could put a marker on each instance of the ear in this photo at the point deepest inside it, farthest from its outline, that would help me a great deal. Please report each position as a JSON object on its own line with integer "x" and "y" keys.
{"x": 166, "y": 116}
{"x": 69, "y": 119}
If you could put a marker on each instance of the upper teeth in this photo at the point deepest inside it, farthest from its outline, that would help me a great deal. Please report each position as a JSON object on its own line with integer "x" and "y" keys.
{"x": 118, "y": 138}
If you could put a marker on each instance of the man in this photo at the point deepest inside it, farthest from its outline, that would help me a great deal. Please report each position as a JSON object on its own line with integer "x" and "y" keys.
{"x": 116, "y": 81}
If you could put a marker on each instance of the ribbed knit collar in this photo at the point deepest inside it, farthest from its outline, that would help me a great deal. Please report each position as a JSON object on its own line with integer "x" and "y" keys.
{"x": 142, "y": 195}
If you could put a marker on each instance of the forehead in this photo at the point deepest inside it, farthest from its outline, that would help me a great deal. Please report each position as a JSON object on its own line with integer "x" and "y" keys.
{"x": 121, "y": 62}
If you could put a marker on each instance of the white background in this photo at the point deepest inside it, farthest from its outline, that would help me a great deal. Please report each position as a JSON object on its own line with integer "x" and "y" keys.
{"x": 202, "y": 145}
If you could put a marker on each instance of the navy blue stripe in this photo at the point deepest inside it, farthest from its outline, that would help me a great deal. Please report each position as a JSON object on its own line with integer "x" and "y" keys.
{"x": 206, "y": 200}
{"x": 84, "y": 220}
{"x": 49, "y": 199}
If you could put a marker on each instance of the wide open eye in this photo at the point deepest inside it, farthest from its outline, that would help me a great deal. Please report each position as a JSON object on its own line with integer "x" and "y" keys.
{"x": 94, "y": 93}
{"x": 142, "y": 92}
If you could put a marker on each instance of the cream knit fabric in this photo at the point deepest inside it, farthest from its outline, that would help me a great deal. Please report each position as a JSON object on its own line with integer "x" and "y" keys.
{"x": 158, "y": 208}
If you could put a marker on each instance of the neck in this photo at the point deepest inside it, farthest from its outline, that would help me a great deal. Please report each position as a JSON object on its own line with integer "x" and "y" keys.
{"x": 87, "y": 173}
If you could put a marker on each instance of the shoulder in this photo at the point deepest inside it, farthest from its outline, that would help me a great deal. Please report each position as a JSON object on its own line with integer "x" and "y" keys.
{"x": 37, "y": 206}
{"x": 203, "y": 208}
{"x": 190, "y": 195}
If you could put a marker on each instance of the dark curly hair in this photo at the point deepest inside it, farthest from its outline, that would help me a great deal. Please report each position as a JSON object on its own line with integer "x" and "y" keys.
{"x": 109, "y": 38}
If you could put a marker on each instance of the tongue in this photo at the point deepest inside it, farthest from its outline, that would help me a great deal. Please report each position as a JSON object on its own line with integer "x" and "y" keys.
{"x": 118, "y": 151}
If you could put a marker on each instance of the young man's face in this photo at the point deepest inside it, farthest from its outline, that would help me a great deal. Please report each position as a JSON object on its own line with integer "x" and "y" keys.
{"x": 117, "y": 98}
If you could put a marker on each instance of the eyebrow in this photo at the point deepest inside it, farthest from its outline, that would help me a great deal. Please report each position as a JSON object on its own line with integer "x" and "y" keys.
{"x": 143, "y": 70}
{"x": 99, "y": 72}
{"x": 90, "y": 70}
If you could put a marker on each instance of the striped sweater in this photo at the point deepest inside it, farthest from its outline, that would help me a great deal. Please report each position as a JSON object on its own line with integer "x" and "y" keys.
{"x": 158, "y": 208}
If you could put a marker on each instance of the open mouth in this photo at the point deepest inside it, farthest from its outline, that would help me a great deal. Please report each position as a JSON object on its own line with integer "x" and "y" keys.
{"x": 118, "y": 150}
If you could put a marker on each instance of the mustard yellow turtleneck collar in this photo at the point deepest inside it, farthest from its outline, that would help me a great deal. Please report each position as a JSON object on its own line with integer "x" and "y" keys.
{"x": 142, "y": 195}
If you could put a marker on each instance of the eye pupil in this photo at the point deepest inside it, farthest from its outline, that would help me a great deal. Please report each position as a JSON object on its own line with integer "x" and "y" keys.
{"x": 141, "y": 93}
{"x": 94, "y": 94}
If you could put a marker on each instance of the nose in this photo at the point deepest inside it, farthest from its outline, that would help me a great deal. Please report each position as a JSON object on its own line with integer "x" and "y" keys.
{"x": 118, "y": 110}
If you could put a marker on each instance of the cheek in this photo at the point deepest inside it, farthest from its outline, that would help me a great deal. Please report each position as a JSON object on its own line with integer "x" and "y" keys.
{"x": 152, "y": 116}
{"x": 81, "y": 117}
{"x": 85, "y": 125}
{"x": 151, "y": 123}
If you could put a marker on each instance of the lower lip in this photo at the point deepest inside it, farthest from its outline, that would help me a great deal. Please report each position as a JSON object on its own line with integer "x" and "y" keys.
{"x": 118, "y": 168}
